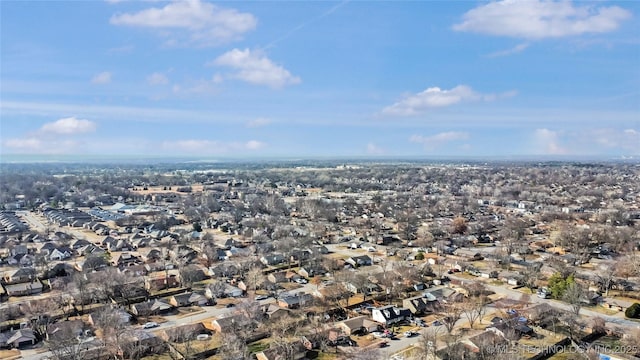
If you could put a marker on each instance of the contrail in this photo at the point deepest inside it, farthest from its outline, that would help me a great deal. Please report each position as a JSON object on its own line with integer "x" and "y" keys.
{"x": 297, "y": 28}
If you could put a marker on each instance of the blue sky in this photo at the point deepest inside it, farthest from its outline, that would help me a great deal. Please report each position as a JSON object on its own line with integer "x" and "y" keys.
{"x": 294, "y": 78}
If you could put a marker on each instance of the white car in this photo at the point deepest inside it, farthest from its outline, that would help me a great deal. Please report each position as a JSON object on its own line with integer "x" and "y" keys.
{"x": 150, "y": 325}
{"x": 262, "y": 297}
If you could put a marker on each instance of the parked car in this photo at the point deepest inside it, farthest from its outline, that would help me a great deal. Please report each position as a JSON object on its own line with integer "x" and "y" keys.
{"x": 410, "y": 333}
{"x": 150, "y": 325}
{"x": 231, "y": 305}
{"x": 384, "y": 344}
{"x": 262, "y": 297}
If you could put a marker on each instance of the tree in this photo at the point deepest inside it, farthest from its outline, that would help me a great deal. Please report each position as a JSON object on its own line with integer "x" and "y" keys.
{"x": 368, "y": 353}
{"x": 474, "y": 306}
{"x": 558, "y": 284}
{"x": 531, "y": 275}
{"x": 599, "y": 325}
{"x": 633, "y": 311}
{"x": 459, "y": 225}
{"x": 605, "y": 275}
{"x": 41, "y": 314}
{"x": 452, "y": 312}
{"x": 79, "y": 286}
{"x": 64, "y": 345}
{"x": 574, "y": 296}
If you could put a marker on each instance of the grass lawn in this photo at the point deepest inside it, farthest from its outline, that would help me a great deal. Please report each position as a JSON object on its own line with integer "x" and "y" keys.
{"x": 602, "y": 310}
{"x": 258, "y": 346}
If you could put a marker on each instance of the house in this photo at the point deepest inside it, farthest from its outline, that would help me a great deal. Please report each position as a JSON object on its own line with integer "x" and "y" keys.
{"x": 122, "y": 317}
{"x": 135, "y": 270}
{"x": 20, "y": 275}
{"x": 161, "y": 280}
{"x": 45, "y": 248}
{"x": 151, "y": 307}
{"x": 390, "y": 314}
{"x": 188, "y": 299}
{"x": 367, "y": 289}
{"x": 17, "y": 338}
{"x": 125, "y": 259}
{"x": 137, "y": 343}
{"x": 311, "y": 271}
{"x": 233, "y": 291}
{"x": 75, "y": 245}
{"x": 295, "y": 301}
{"x": 63, "y": 330}
{"x": 24, "y": 289}
{"x": 229, "y": 324}
{"x": 356, "y": 261}
{"x": 358, "y": 325}
{"x": 224, "y": 270}
{"x": 421, "y": 305}
{"x": 488, "y": 338}
{"x": 300, "y": 254}
{"x": 151, "y": 255}
{"x": 274, "y": 312}
{"x": 60, "y": 253}
{"x": 273, "y": 259}
{"x": 278, "y": 277}
{"x": 184, "y": 332}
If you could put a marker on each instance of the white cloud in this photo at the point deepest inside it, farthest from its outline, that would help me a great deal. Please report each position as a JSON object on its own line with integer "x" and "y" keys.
{"x": 435, "y": 97}
{"x": 255, "y": 68}
{"x": 514, "y": 50}
{"x": 626, "y": 140}
{"x": 211, "y": 146}
{"x": 439, "y": 139}
{"x": 36, "y": 145}
{"x": 373, "y": 149}
{"x": 259, "y": 122}
{"x": 52, "y": 138}
{"x": 538, "y": 19}
{"x": 68, "y": 126}
{"x": 102, "y": 78}
{"x": 157, "y": 79}
{"x": 547, "y": 142}
{"x": 199, "y": 87}
{"x": 205, "y": 24}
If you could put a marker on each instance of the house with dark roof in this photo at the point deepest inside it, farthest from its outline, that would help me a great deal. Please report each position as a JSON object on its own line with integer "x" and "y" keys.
{"x": 356, "y": 261}
{"x": 20, "y": 275}
{"x": 390, "y": 314}
{"x": 17, "y": 338}
{"x": 151, "y": 307}
{"x": 311, "y": 271}
{"x": 188, "y": 299}
{"x": 272, "y": 259}
{"x": 421, "y": 305}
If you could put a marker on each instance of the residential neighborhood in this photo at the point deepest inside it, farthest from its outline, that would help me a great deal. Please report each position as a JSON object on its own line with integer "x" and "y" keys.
{"x": 320, "y": 260}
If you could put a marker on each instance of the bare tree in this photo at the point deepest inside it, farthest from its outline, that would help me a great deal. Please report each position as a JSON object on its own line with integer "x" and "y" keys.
{"x": 451, "y": 312}
{"x": 41, "y": 313}
{"x": 605, "y": 276}
{"x": 574, "y": 296}
{"x": 428, "y": 344}
{"x": 64, "y": 345}
{"x": 233, "y": 347}
{"x": 368, "y": 353}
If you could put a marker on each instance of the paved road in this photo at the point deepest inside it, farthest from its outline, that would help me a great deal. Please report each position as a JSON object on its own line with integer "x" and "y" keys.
{"x": 33, "y": 221}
